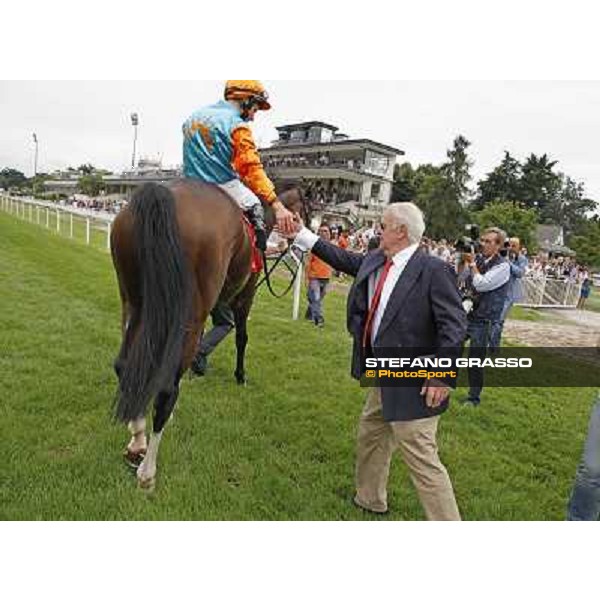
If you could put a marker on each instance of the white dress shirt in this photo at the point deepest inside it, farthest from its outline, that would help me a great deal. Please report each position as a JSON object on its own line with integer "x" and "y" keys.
{"x": 399, "y": 262}
{"x": 306, "y": 240}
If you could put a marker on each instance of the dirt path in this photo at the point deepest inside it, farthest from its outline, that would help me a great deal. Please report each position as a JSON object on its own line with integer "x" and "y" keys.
{"x": 582, "y": 331}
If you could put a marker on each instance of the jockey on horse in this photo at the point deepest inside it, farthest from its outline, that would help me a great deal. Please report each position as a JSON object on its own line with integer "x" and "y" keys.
{"x": 219, "y": 148}
{"x": 181, "y": 248}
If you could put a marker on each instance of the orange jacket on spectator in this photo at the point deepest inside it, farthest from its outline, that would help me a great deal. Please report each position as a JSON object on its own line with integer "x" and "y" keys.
{"x": 343, "y": 242}
{"x": 318, "y": 269}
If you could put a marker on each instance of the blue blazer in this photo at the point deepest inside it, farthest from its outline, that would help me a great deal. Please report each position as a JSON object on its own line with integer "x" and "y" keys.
{"x": 424, "y": 311}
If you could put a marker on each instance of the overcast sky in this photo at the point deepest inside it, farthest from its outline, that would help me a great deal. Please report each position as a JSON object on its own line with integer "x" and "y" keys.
{"x": 88, "y": 121}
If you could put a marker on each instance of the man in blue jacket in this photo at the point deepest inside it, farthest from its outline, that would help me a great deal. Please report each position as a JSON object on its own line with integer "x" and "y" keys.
{"x": 401, "y": 298}
{"x": 585, "y": 499}
{"x": 518, "y": 266}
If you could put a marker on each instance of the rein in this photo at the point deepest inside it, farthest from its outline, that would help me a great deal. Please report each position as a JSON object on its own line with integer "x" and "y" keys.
{"x": 279, "y": 260}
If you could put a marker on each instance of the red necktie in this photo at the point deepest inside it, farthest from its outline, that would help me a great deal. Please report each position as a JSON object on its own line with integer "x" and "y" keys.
{"x": 375, "y": 302}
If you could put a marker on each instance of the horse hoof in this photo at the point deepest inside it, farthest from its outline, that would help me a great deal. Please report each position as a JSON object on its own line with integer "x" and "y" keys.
{"x": 241, "y": 380}
{"x": 147, "y": 485}
{"x": 134, "y": 459}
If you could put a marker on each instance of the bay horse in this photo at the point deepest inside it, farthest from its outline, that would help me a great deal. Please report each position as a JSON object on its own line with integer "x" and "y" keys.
{"x": 177, "y": 249}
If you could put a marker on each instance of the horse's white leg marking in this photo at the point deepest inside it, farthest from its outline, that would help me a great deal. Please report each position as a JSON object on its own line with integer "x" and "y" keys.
{"x": 146, "y": 474}
{"x": 138, "y": 441}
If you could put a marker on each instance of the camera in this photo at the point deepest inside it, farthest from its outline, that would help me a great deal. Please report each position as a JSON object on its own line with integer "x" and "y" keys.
{"x": 505, "y": 250}
{"x": 469, "y": 243}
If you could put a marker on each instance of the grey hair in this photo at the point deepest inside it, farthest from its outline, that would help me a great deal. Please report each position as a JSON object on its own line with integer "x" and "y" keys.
{"x": 410, "y": 215}
{"x": 500, "y": 234}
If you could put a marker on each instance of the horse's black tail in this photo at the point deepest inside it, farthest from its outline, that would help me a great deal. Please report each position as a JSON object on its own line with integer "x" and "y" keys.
{"x": 156, "y": 351}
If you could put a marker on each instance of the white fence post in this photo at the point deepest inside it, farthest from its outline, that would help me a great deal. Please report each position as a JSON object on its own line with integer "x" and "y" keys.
{"x": 19, "y": 207}
{"x": 549, "y": 292}
{"x": 297, "y": 287}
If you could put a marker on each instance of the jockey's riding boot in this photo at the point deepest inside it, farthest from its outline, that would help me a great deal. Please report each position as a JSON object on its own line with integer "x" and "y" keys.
{"x": 256, "y": 216}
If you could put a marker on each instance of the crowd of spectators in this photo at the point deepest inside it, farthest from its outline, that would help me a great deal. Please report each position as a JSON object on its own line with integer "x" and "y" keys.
{"x": 541, "y": 265}
{"x": 101, "y": 205}
{"x": 324, "y": 160}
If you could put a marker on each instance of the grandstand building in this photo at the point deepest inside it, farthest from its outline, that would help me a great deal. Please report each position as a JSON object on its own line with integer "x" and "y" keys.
{"x": 347, "y": 179}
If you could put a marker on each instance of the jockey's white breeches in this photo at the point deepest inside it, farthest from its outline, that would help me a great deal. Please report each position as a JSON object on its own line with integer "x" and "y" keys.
{"x": 244, "y": 196}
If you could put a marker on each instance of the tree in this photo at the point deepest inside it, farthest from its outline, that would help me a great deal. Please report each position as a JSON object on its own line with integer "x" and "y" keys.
{"x": 36, "y": 184}
{"x": 11, "y": 178}
{"x": 458, "y": 168}
{"x": 569, "y": 207}
{"x": 404, "y": 188}
{"x": 502, "y": 184}
{"x": 514, "y": 220}
{"x": 587, "y": 243}
{"x": 445, "y": 216}
{"x": 91, "y": 185}
{"x": 539, "y": 185}
{"x": 86, "y": 169}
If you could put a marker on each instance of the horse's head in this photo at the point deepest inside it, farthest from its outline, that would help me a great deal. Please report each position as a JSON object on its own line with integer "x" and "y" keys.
{"x": 295, "y": 201}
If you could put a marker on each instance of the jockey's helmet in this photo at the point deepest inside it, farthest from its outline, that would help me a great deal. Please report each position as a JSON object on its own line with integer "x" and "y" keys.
{"x": 247, "y": 90}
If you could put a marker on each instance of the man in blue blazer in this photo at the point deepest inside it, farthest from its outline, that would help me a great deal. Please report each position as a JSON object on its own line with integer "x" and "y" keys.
{"x": 401, "y": 298}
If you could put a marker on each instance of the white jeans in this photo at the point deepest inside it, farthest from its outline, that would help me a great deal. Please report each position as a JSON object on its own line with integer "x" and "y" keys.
{"x": 245, "y": 197}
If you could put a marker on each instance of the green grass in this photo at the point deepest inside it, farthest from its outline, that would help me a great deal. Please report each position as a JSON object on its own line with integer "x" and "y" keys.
{"x": 519, "y": 313}
{"x": 282, "y": 448}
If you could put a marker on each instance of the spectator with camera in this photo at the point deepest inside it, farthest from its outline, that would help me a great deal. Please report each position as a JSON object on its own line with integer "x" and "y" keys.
{"x": 518, "y": 266}
{"x": 486, "y": 275}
